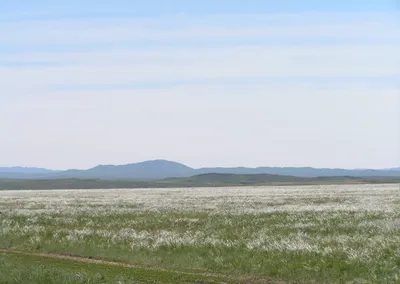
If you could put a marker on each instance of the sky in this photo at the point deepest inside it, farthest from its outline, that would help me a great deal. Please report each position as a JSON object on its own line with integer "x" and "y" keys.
{"x": 206, "y": 83}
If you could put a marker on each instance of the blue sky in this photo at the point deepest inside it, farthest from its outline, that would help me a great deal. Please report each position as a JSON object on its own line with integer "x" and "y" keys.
{"x": 130, "y": 8}
{"x": 206, "y": 83}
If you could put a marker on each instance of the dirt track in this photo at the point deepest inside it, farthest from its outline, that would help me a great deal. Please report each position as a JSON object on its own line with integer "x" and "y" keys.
{"x": 234, "y": 279}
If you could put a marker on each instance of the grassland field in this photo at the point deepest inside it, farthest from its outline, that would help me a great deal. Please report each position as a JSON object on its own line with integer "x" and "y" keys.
{"x": 265, "y": 234}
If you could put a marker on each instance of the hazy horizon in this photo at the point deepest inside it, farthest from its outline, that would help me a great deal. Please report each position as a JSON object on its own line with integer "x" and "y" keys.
{"x": 194, "y": 167}
{"x": 206, "y": 84}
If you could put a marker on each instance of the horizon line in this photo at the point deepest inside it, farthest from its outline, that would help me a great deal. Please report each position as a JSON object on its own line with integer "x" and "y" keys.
{"x": 197, "y": 168}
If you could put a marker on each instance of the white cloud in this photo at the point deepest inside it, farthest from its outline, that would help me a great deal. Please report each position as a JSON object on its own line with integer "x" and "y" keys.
{"x": 202, "y": 64}
{"x": 162, "y": 64}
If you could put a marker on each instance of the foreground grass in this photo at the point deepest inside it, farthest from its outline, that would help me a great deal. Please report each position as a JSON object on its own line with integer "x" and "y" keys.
{"x": 21, "y": 269}
{"x": 336, "y": 234}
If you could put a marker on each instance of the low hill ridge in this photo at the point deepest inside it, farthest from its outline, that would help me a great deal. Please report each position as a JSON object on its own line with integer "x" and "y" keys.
{"x": 202, "y": 180}
{"x": 161, "y": 169}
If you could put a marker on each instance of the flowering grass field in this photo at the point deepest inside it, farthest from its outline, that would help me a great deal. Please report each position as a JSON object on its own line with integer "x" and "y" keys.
{"x": 296, "y": 234}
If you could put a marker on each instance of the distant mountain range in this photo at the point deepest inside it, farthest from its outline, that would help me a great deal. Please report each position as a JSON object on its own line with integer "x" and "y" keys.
{"x": 394, "y": 169}
{"x": 161, "y": 169}
{"x": 25, "y": 170}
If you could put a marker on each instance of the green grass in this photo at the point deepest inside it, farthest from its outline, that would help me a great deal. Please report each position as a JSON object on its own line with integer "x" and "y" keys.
{"x": 17, "y": 268}
{"x": 236, "y": 260}
{"x": 301, "y": 235}
{"x": 204, "y": 180}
